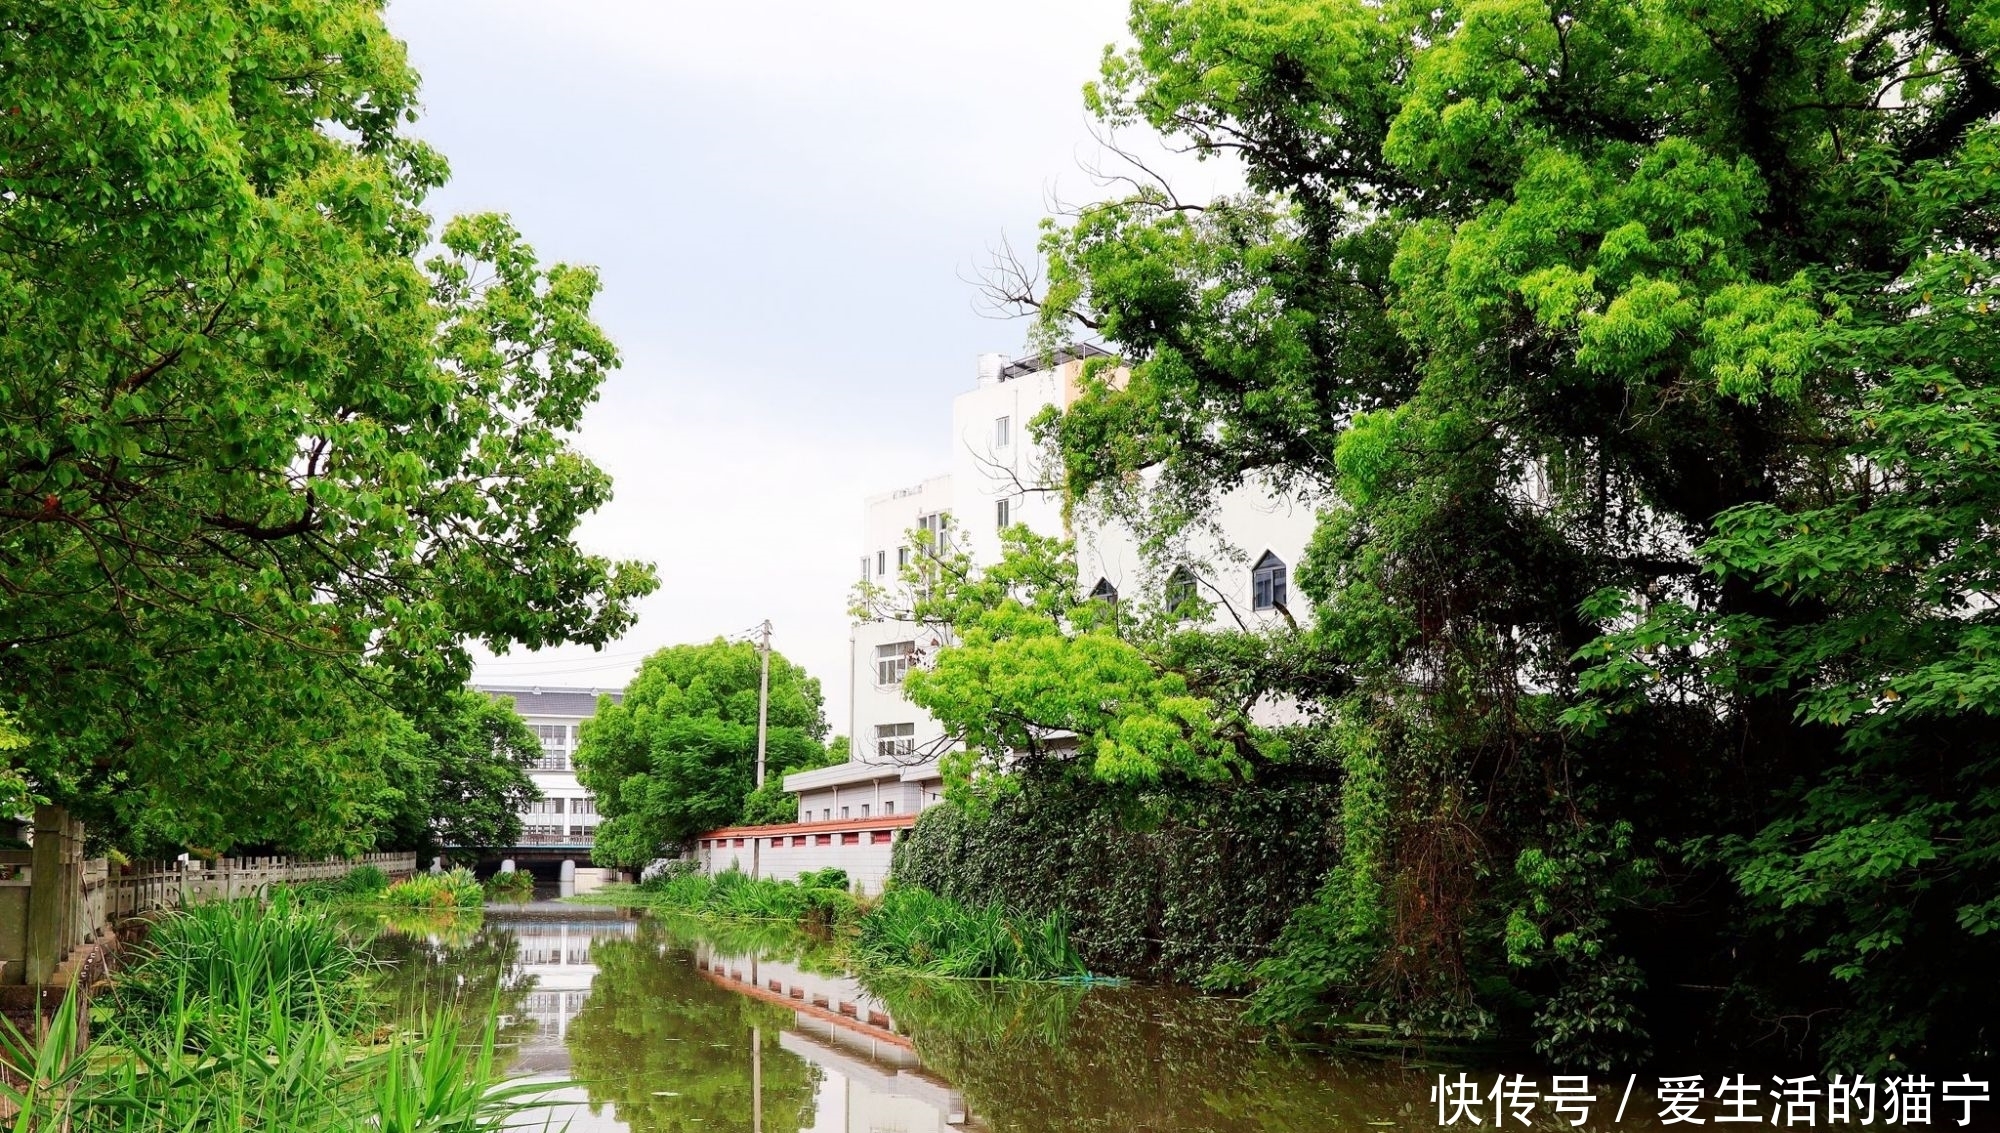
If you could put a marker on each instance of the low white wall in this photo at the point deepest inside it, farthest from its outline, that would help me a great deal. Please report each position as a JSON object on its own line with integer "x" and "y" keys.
{"x": 782, "y": 853}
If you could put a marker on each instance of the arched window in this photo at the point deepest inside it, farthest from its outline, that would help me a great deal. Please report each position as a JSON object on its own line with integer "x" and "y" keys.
{"x": 1104, "y": 591}
{"x": 1180, "y": 593}
{"x": 1267, "y": 583}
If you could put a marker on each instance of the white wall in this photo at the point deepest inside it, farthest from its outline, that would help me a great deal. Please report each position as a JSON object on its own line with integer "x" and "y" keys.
{"x": 865, "y": 860}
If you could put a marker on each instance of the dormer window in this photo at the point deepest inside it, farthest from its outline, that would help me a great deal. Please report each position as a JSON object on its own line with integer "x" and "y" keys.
{"x": 1104, "y": 591}
{"x": 1267, "y": 583}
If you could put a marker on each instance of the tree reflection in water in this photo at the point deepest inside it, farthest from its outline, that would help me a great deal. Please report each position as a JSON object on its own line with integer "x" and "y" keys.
{"x": 673, "y": 1051}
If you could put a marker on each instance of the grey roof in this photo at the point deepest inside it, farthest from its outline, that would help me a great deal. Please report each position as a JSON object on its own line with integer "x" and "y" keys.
{"x": 550, "y": 700}
{"x": 1036, "y": 363}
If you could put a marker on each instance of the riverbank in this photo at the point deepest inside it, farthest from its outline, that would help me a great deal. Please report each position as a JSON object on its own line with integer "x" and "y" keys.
{"x": 904, "y": 931}
{"x": 237, "y": 1015}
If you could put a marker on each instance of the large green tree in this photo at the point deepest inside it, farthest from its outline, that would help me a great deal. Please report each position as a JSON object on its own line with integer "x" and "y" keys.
{"x": 459, "y": 779}
{"x": 1648, "y": 355}
{"x": 678, "y": 755}
{"x": 270, "y": 440}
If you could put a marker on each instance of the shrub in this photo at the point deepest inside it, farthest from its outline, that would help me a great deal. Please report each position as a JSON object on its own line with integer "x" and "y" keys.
{"x": 453, "y": 889}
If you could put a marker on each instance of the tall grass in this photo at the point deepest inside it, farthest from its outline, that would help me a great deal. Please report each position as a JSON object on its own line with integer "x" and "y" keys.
{"x": 197, "y": 1045}
{"x": 235, "y": 960}
{"x": 914, "y": 930}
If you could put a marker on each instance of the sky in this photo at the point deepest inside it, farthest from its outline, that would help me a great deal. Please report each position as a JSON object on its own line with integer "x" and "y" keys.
{"x": 785, "y": 199}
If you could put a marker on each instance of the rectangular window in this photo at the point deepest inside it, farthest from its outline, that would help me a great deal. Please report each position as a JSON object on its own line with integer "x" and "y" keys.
{"x": 826, "y": 815}
{"x": 864, "y": 568}
{"x": 851, "y": 838}
{"x": 555, "y": 747}
{"x": 1003, "y": 514}
{"x": 846, "y": 812}
{"x": 881, "y": 563}
{"x": 878, "y": 837}
{"x": 895, "y": 741}
{"x": 798, "y": 839}
{"x": 1003, "y": 432}
{"x": 583, "y": 806}
{"x": 902, "y": 557}
{"x": 889, "y": 807}
{"x": 739, "y": 841}
{"x": 825, "y": 839}
{"x": 555, "y": 806}
{"x": 892, "y": 661}
{"x": 864, "y": 810}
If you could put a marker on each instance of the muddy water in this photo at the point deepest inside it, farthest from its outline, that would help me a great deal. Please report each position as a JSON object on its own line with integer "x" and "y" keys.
{"x": 662, "y": 1027}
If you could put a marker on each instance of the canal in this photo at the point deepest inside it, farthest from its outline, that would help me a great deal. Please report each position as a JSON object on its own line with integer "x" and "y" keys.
{"x": 664, "y": 1026}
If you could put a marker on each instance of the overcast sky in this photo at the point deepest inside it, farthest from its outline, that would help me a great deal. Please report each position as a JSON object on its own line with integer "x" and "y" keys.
{"x": 784, "y": 198}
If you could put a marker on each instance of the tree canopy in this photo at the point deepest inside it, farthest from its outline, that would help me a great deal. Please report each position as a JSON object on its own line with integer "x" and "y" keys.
{"x": 678, "y": 755}
{"x": 460, "y": 779}
{"x": 270, "y": 439}
{"x": 1648, "y": 357}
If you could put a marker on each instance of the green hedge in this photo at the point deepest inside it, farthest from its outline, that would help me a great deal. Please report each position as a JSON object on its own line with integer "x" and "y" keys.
{"x": 1168, "y": 888}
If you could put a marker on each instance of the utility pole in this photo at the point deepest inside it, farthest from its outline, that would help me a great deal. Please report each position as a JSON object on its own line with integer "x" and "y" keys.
{"x": 763, "y": 696}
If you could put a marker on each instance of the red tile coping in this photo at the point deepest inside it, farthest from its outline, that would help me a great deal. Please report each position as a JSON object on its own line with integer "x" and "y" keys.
{"x": 837, "y": 826}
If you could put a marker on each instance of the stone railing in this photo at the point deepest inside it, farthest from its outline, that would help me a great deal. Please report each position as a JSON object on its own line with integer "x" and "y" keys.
{"x": 54, "y": 901}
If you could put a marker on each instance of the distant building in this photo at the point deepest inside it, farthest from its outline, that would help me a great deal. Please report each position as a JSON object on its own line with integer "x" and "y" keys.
{"x": 565, "y": 817}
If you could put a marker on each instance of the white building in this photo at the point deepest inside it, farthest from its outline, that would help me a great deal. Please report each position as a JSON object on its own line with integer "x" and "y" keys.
{"x": 1241, "y": 565}
{"x": 565, "y": 818}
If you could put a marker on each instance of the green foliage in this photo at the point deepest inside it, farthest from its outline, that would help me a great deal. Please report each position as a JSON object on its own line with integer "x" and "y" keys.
{"x": 452, "y": 889}
{"x": 285, "y": 1067}
{"x": 1190, "y": 879}
{"x": 274, "y": 447}
{"x": 914, "y": 930}
{"x": 1644, "y": 360}
{"x": 678, "y": 756}
{"x": 227, "y": 966}
{"x": 363, "y": 881}
{"x": 460, "y": 778}
{"x": 510, "y": 888}
{"x": 817, "y": 899}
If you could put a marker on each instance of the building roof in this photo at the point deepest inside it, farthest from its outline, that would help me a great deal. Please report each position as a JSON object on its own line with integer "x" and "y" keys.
{"x": 856, "y": 771}
{"x": 1035, "y": 363}
{"x": 551, "y": 700}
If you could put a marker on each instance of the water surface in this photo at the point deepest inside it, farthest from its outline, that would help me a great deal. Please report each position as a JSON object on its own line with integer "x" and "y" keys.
{"x": 669, "y": 1027}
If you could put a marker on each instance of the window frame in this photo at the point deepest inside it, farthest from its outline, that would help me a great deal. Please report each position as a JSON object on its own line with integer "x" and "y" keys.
{"x": 1269, "y": 583}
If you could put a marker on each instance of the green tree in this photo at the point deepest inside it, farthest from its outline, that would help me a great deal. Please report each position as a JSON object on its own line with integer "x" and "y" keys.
{"x": 1649, "y": 354}
{"x": 678, "y": 755}
{"x": 270, "y": 441}
{"x": 461, "y": 777}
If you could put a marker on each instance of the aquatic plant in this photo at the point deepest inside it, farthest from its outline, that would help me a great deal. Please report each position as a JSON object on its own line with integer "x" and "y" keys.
{"x": 452, "y": 889}
{"x": 283, "y": 1068}
{"x": 512, "y": 887}
{"x": 916, "y": 930}
{"x": 232, "y": 1016}
{"x": 214, "y": 965}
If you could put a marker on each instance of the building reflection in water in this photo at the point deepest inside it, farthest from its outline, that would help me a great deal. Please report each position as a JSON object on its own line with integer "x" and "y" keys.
{"x": 870, "y": 1076}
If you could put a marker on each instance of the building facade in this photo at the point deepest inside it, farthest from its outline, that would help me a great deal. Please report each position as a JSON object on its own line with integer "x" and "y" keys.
{"x": 1240, "y": 566}
{"x": 565, "y": 818}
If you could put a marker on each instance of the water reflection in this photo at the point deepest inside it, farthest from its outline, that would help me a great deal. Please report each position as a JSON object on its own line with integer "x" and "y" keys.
{"x": 667, "y": 1028}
